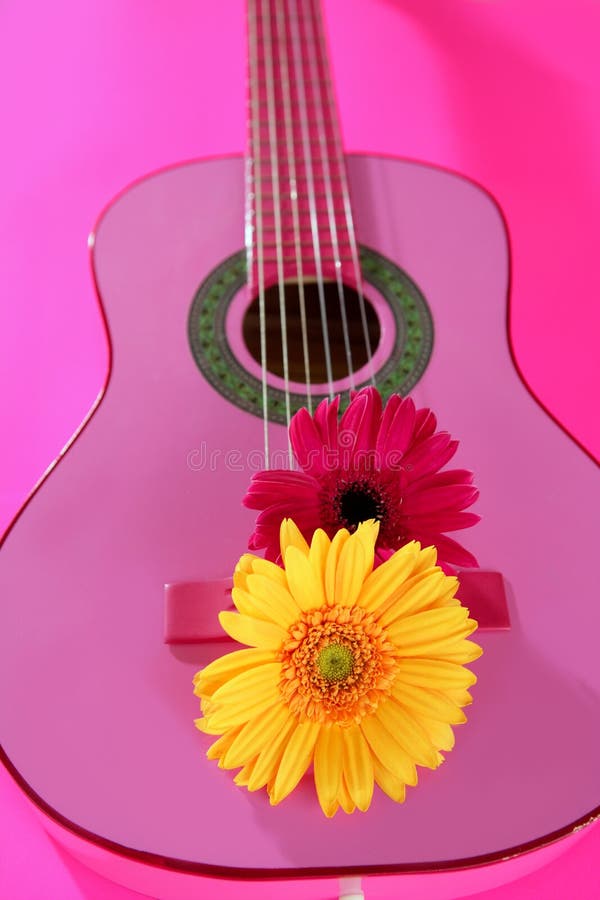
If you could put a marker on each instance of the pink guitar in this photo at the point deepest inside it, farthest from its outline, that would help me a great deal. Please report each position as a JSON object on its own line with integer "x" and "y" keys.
{"x": 410, "y": 265}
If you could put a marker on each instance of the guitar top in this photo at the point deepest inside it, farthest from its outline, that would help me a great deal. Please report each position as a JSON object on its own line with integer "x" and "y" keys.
{"x": 96, "y": 711}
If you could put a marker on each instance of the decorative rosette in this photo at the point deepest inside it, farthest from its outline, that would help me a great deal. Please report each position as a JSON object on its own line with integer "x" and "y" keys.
{"x": 356, "y": 671}
{"x": 376, "y": 463}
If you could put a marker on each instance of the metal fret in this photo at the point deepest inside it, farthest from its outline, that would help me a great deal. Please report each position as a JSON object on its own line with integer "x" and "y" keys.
{"x": 319, "y": 195}
{"x": 319, "y": 177}
{"x": 304, "y": 245}
{"x": 263, "y": 104}
{"x": 264, "y": 43}
{"x": 290, "y": 259}
{"x": 263, "y": 143}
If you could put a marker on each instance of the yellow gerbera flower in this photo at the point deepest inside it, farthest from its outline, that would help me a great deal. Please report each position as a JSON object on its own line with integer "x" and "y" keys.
{"x": 359, "y": 671}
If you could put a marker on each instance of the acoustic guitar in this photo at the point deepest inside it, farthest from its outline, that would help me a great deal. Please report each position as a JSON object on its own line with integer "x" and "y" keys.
{"x": 234, "y": 292}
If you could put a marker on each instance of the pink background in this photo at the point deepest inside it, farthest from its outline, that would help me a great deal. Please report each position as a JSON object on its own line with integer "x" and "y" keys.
{"x": 94, "y": 95}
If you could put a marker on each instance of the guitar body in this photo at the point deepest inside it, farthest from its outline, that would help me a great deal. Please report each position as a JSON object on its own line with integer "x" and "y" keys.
{"x": 96, "y": 711}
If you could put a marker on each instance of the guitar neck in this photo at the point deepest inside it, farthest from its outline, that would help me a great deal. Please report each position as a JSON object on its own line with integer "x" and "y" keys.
{"x": 298, "y": 218}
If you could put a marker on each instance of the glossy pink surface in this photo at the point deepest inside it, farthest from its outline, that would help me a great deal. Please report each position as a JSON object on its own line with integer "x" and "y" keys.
{"x": 54, "y": 182}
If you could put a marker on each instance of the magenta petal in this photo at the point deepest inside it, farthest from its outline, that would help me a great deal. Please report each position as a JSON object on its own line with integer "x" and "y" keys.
{"x": 279, "y": 493}
{"x": 440, "y": 479}
{"x": 326, "y": 423}
{"x": 446, "y": 520}
{"x": 360, "y": 422}
{"x": 306, "y": 442}
{"x": 449, "y": 550}
{"x": 306, "y": 515}
{"x": 383, "y": 553}
{"x": 267, "y": 488}
{"x": 396, "y": 430}
{"x": 259, "y": 541}
{"x": 418, "y": 499}
{"x": 306, "y": 509}
{"x": 282, "y": 476}
{"x": 439, "y": 499}
{"x": 430, "y": 455}
{"x": 425, "y": 424}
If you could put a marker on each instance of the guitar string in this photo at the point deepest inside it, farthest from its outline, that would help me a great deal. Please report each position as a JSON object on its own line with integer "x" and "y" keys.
{"x": 332, "y": 106}
{"x": 310, "y": 181}
{"x": 326, "y": 169}
{"x": 318, "y": 103}
{"x": 254, "y": 195}
{"x": 276, "y": 196}
{"x": 286, "y": 94}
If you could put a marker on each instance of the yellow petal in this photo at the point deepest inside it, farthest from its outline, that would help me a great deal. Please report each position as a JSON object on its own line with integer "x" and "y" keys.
{"x": 328, "y": 768}
{"x": 273, "y": 600}
{"x": 395, "y": 600}
{"x": 220, "y": 747}
{"x": 243, "y": 776}
{"x": 239, "y": 579}
{"x": 335, "y": 549}
{"x": 254, "y": 736}
{"x": 434, "y": 673}
{"x": 425, "y": 560}
{"x": 249, "y": 564}
{"x": 462, "y": 652}
{"x": 367, "y": 533}
{"x": 270, "y": 756}
{"x": 358, "y": 767}
{"x": 345, "y": 800}
{"x": 407, "y": 733}
{"x": 388, "y": 751}
{"x": 428, "y": 703}
{"x": 446, "y": 596}
{"x": 243, "y": 602}
{"x": 245, "y": 563}
{"x": 265, "y": 567}
{"x": 387, "y": 578}
{"x": 349, "y": 573}
{"x": 203, "y": 726}
{"x": 319, "y": 548}
{"x": 225, "y": 667}
{"x": 248, "y": 685}
{"x": 424, "y": 628}
{"x": 417, "y": 593}
{"x": 390, "y": 784}
{"x": 248, "y": 698}
{"x": 305, "y": 585}
{"x": 291, "y": 536}
{"x": 254, "y": 632}
{"x": 459, "y": 696}
{"x": 297, "y": 756}
{"x": 242, "y": 569}
{"x": 439, "y": 733}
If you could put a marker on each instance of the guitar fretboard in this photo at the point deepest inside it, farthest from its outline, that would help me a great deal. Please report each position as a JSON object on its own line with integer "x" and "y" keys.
{"x": 298, "y": 218}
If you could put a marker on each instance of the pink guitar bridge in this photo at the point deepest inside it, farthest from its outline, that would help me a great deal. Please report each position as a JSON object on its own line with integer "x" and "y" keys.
{"x": 192, "y": 607}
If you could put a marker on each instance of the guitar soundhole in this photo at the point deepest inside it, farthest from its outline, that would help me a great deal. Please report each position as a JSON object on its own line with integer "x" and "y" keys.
{"x": 406, "y": 325}
{"x": 316, "y": 342}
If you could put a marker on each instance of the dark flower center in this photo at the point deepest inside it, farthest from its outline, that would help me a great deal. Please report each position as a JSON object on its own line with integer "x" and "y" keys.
{"x": 358, "y": 502}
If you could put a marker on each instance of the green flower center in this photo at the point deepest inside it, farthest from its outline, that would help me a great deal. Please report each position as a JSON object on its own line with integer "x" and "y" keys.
{"x": 335, "y": 662}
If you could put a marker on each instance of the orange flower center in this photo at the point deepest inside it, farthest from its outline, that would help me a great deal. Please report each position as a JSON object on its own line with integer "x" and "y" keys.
{"x": 337, "y": 665}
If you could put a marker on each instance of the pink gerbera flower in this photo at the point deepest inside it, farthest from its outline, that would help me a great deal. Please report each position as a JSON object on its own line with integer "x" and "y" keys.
{"x": 373, "y": 463}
